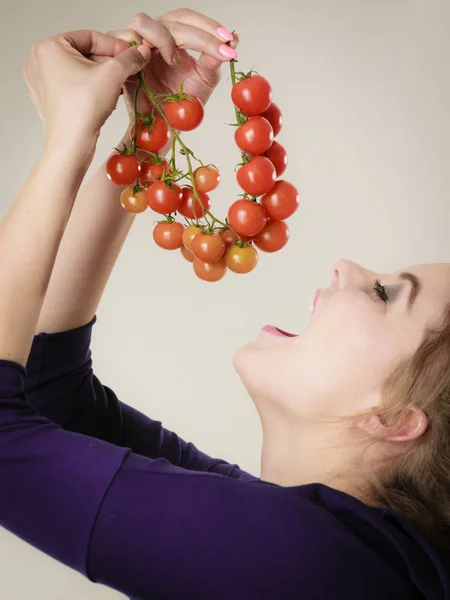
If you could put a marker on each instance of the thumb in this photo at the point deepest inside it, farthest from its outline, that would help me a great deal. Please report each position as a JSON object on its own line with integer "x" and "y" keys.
{"x": 128, "y": 62}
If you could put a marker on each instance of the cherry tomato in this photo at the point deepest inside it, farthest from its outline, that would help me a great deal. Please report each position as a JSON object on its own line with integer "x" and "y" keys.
{"x": 206, "y": 179}
{"x": 241, "y": 260}
{"x": 210, "y": 271}
{"x": 208, "y": 248}
{"x": 134, "y": 202}
{"x": 164, "y": 198}
{"x": 187, "y": 254}
{"x": 273, "y": 237}
{"x": 246, "y": 217}
{"x": 229, "y": 237}
{"x": 168, "y": 235}
{"x": 252, "y": 96}
{"x": 150, "y": 172}
{"x": 275, "y": 118}
{"x": 122, "y": 169}
{"x": 185, "y": 115}
{"x": 278, "y": 157}
{"x": 282, "y": 201}
{"x": 190, "y": 204}
{"x": 257, "y": 176}
{"x": 154, "y": 137}
{"x": 255, "y": 136}
{"x": 189, "y": 234}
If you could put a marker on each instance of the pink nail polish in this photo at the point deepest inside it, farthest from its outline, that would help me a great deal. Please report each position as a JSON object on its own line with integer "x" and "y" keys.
{"x": 226, "y": 35}
{"x": 227, "y": 51}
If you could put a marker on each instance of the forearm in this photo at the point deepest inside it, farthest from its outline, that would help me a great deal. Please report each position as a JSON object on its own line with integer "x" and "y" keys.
{"x": 95, "y": 234}
{"x": 29, "y": 239}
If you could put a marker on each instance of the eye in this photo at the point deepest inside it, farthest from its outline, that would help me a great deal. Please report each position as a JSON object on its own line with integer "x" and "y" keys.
{"x": 380, "y": 291}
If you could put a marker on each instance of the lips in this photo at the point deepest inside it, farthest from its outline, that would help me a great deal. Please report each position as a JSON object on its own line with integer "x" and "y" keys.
{"x": 277, "y": 332}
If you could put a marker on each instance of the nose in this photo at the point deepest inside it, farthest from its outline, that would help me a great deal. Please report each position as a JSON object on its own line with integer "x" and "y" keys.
{"x": 347, "y": 273}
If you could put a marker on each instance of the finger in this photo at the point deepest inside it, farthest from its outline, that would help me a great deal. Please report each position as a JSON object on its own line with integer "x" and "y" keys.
{"x": 129, "y": 35}
{"x": 191, "y": 38}
{"x": 92, "y": 42}
{"x": 208, "y": 65}
{"x": 127, "y": 63}
{"x": 156, "y": 35}
{"x": 195, "y": 19}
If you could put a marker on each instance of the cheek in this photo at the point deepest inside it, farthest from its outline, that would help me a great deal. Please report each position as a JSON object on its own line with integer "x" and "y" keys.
{"x": 355, "y": 341}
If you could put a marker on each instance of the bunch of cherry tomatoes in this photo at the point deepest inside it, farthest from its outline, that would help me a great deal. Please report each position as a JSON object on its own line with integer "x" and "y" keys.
{"x": 257, "y": 220}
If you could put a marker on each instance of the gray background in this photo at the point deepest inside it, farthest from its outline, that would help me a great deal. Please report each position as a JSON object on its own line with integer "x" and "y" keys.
{"x": 364, "y": 87}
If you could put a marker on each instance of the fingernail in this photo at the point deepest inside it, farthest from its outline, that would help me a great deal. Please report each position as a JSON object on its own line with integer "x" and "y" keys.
{"x": 227, "y": 51}
{"x": 176, "y": 58}
{"x": 122, "y": 91}
{"x": 223, "y": 33}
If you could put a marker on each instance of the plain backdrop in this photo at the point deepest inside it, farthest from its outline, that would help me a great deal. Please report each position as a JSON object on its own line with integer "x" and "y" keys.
{"x": 365, "y": 91}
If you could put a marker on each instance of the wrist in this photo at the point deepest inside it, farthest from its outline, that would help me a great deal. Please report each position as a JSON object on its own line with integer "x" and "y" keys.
{"x": 78, "y": 150}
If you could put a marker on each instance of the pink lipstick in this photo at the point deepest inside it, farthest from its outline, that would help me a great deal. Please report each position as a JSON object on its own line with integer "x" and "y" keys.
{"x": 277, "y": 332}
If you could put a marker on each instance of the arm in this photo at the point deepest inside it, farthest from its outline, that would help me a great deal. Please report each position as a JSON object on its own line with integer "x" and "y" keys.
{"x": 94, "y": 236}
{"x": 145, "y": 527}
{"x": 98, "y": 225}
{"x": 62, "y": 387}
{"x": 60, "y": 383}
{"x": 60, "y": 79}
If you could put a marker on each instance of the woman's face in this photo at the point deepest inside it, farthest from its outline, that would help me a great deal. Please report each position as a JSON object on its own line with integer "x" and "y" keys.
{"x": 362, "y": 326}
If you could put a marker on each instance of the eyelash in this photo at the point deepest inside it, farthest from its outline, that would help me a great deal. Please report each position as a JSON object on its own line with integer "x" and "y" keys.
{"x": 380, "y": 291}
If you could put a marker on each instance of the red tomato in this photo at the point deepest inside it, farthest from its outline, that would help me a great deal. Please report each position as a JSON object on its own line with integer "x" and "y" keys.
{"x": 246, "y": 217}
{"x": 275, "y": 118}
{"x": 206, "y": 179}
{"x": 122, "y": 169}
{"x": 189, "y": 234}
{"x": 150, "y": 172}
{"x": 230, "y": 238}
{"x": 164, "y": 198}
{"x": 241, "y": 260}
{"x": 191, "y": 205}
{"x": 185, "y": 115}
{"x": 154, "y": 137}
{"x": 278, "y": 157}
{"x": 134, "y": 202}
{"x": 210, "y": 271}
{"x": 252, "y": 96}
{"x": 168, "y": 235}
{"x": 255, "y": 136}
{"x": 208, "y": 248}
{"x": 187, "y": 254}
{"x": 282, "y": 201}
{"x": 257, "y": 176}
{"x": 273, "y": 237}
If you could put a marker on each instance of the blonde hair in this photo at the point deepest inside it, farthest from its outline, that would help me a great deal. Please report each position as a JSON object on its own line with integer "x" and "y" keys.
{"x": 417, "y": 484}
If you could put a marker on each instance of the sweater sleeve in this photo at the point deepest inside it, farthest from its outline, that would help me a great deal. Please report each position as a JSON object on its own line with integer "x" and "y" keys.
{"x": 61, "y": 385}
{"x": 141, "y": 526}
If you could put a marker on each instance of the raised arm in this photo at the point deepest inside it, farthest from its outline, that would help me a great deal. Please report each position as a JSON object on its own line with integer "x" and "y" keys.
{"x": 91, "y": 246}
{"x": 60, "y": 79}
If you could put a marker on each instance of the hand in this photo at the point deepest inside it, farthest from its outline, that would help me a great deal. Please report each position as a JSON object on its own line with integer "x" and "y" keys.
{"x": 169, "y": 36}
{"x": 74, "y": 95}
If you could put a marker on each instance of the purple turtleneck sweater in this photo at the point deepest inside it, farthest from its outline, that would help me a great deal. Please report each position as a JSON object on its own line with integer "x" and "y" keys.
{"x": 112, "y": 494}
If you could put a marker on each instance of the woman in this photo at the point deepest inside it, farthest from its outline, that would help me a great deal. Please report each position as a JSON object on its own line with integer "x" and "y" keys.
{"x": 353, "y": 496}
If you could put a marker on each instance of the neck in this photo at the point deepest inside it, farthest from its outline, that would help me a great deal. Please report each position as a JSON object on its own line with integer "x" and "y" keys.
{"x": 296, "y": 453}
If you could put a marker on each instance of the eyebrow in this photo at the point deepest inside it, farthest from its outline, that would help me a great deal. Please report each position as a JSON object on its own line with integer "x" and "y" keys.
{"x": 416, "y": 287}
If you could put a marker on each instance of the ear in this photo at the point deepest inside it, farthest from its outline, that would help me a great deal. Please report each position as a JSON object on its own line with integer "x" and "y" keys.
{"x": 409, "y": 426}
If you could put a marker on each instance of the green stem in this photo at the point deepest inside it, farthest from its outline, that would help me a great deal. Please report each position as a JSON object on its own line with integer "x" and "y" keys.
{"x": 233, "y": 81}
{"x": 142, "y": 85}
{"x": 136, "y": 118}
